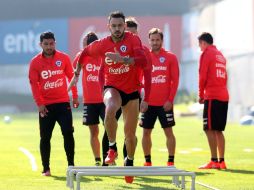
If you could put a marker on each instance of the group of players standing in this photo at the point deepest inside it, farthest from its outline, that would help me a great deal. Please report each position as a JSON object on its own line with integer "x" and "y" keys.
{"x": 119, "y": 76}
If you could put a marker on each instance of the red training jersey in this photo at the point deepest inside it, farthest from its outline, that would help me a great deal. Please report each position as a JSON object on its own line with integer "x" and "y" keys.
{"x": 118, "y": 75}
{"x": 165, "y": 78}
{"x": 213, "y": 75}
{"x": 48, "y": 78}
{"x": 144, "y": 75}
{"x": 90, "y": 80}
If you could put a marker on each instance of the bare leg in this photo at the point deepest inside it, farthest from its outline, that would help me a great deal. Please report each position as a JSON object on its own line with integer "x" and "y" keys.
{"x": 220, "y": 143}
{"x": 112, "y": 101}
{"x": 147, "y": 141}
{"x": 211, "y": 137}
{"x": 130, "y": 116}
{"x": 171, "y": 141}
{"x": 94, "y": 140}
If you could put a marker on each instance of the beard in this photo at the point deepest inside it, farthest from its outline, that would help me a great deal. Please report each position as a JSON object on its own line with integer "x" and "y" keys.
{"x": 48, "y": 52}
{"x": 117, "y": 35}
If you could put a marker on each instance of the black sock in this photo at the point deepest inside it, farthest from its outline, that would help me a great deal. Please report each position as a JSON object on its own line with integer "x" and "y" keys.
{"x": 221, "y": 160}
{"x": 124, "y": 150}
{"x": 214, "y": 159}
{"x": 113, "y": 147}
{"x": 128, "y": 162}
{"x": 98, "y": 159}
{"x": 171, "y": 158}
{"x": 148, "y": 158}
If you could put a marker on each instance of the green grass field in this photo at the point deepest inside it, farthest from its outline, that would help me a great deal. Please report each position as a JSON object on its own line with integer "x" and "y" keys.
{"x": 191, "y": 151}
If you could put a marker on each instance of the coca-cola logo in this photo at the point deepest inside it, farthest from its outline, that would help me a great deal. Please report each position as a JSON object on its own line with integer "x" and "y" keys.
{"x": 55, "y": 84}
{"x": 120, "y": 70}
{"x": 92, "y": 78}
{"x": 159, "y": 79}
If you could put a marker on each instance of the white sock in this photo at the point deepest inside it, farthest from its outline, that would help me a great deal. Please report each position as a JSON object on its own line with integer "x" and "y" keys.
{"x": 112, "y": 143}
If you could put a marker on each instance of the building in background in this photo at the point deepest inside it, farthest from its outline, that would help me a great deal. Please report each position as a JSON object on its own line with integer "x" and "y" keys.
{"x": 230, "y": 21}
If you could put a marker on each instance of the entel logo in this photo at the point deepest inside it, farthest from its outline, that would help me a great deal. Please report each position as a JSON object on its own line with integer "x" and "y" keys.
{"x": 21, "y": 42}
{"x": 90, "y": 67}
{"x": 48, "y": 73}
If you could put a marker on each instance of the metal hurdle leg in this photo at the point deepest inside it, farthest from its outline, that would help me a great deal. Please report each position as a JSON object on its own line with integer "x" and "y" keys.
{"x": 183, "y": 182}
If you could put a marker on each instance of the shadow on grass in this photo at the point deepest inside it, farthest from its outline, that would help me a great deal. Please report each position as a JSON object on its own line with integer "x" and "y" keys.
{"x": 238, "y": 171}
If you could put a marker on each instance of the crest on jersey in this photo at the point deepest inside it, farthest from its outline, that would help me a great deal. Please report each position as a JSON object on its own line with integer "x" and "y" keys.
{"x": 162, "y": 59}
{"x": 58, "y": 63}
{"x": 123, "y": 48}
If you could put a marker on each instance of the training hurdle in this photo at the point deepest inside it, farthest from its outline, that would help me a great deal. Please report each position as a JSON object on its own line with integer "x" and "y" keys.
{"x": 80, "y": 171}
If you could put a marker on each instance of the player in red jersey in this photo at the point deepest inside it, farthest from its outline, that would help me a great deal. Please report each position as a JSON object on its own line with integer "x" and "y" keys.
{"x": 47, "y": 74}
{"x": 214, "y": 95}
{"x": 165, "y": 79}
{"x": 121, "y": 53}
{"x": 94, "y": 107}
{"x": 93, "y": 103}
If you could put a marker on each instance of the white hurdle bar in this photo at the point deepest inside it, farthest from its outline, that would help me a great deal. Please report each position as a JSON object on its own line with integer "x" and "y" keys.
{"x": 80, "y": 171}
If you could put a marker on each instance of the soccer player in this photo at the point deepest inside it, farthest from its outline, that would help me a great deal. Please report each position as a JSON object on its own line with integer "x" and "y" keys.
{"x": 132, "y": 26}
{"x": 144, "y": 74}
{"x": 121, "y": 53}
{"x": 165, "y": 79}
{"x": 92, "y": 99}
{"x": 47, "y": 74}
{"x": 94, "y": 107}
{"x": 214, "y": 95}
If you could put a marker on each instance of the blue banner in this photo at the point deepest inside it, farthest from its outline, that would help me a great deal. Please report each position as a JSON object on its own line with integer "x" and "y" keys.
{"x": 20, "y": 39}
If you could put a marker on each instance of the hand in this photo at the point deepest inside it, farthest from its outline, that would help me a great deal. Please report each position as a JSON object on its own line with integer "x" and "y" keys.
{"x": 201, "y": 101}
{"x": 75, "y": 103}
{"x": 42, "y": 110}
{"x": 168, "y": 106}
{"x": 143, "y": 106}
{"x": 73, "y": 82}
{"x": 114, "y": 56}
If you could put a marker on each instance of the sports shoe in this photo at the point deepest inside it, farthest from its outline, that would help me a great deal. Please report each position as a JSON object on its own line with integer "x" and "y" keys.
{"x": 223, "y": 165}
{"x": 210, "y": 165}
{"x": 148, "y": 164}
{"x": 46, "y": 173}
{"x": 111, "y": 157}
{"x": 128, "y": 179}
{"x": 170, "y": 163}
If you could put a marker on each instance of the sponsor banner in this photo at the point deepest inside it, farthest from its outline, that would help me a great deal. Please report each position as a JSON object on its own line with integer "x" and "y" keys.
{"x": 170, "y": 25}
{"x": 19, "y": 40}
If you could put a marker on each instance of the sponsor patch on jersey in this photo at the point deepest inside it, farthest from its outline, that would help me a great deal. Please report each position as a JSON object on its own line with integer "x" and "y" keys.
{"x": 123, "y": 48}
{"x": 162, "y": 59}
{"x": 58, "y": 63}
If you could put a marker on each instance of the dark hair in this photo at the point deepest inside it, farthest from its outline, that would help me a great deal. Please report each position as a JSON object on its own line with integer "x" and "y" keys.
{"x": 116, "y": 14}
{"x": 131, "y": 22}
{"x": 91, "y": 37}
{"x": 47, "y": 35}
{"x": 207, "y": 37}
{"x": 155, "y": 31}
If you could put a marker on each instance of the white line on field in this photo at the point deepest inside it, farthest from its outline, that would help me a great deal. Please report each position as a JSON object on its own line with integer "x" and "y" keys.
{"x": 31, "y": 158}
{"x": 248, "y": 150}
{"x": 207, "y": 186}
{"x": 204, "y": 185}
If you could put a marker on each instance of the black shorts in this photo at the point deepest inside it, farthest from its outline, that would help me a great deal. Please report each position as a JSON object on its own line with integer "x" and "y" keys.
{"x": 94, "y": 111}
{"x": 126, "y": 97}
{"x": 148, "y": 118}
{"x": 215, "y": 115}
{"x": 60, "y": 113}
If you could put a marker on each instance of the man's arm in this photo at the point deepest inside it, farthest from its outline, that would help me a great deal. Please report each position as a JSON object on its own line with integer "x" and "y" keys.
{"x": 34, "y": 78}
{"x": 69, "y": 75}
{"x": 203, "y": 70}
{"x": 174, "y": 81}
